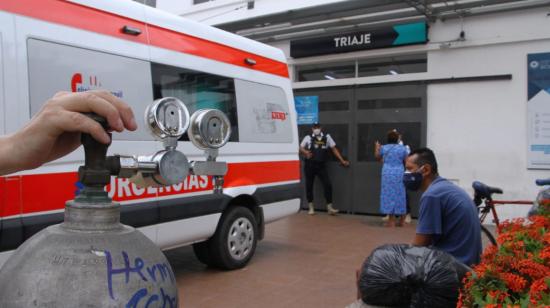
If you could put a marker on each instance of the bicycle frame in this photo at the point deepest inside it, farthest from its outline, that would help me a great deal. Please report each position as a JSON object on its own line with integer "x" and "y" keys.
{"x": 485, "y": 204}
{"x": 489, "y": 206}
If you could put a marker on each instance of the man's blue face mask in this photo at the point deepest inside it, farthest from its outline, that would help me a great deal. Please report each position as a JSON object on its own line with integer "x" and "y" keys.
{"x": 413, "y": 180}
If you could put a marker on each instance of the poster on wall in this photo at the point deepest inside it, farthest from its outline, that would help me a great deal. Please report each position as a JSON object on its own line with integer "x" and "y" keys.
{"x": 538, "y": 110}
{"x": 307, "y": 108}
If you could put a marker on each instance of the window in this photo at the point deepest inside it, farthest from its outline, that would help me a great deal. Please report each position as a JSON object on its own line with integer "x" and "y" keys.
{"x": 396, "y": 65}
{"x": 263, "y": 113}
{"x": 325, "y": 71}
{"x": 393, "y": 65}
{"x": 390, "y": 103}
{"x": 333, "y": 106}
{"x": 197, "y": 90}
{"x": 56, "y": 67}
{"x": 368, "y": 133}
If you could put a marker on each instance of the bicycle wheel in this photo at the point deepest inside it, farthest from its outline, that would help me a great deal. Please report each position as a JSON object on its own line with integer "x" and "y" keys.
{"x": 487, "y": 237}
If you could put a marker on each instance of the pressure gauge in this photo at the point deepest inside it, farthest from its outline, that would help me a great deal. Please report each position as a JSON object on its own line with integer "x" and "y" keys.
{"x": 209, "y": 129}
{"x": 164, "y": 168}
{"x": 167, "y": 118}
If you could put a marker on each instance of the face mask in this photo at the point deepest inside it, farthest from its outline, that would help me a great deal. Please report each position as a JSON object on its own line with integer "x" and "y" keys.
{"x": 413, "y": 180}
{"x": 317, "y": 131}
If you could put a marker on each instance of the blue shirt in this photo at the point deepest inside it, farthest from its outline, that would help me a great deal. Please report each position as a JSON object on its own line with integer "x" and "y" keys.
{"x": 450, "y": 216}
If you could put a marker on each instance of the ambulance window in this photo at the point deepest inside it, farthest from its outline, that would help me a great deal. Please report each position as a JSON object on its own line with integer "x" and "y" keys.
{"x": 56, "y": 67}
{"x": 264, "y": 115}
{"x": 197, "y": 90}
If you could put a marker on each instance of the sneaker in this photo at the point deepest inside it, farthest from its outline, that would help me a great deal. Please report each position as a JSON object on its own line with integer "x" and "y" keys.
{"x": 408, "y": 219}
{"x": 331, "y": 210}
{"x": 311, "y": 209}
{"x": 386, "y": 218}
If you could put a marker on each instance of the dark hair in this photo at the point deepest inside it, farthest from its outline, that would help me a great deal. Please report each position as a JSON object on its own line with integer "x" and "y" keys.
{"x": 425, "y": 156}
{"x": 316, "y": 125}
{"x": 393, "y": 136}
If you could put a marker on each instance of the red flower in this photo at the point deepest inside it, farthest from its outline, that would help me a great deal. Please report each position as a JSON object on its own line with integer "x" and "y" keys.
{"x": 514, "y": 282}
{"x": 538, "y": 288}
{"x": 515, "y": 270}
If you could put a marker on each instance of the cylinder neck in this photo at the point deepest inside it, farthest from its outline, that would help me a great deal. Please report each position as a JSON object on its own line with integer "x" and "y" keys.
{"x": 85, "y": 216}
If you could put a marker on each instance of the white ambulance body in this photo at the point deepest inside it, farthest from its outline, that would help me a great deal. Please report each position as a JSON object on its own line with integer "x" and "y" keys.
{"x": 140, "y": 54}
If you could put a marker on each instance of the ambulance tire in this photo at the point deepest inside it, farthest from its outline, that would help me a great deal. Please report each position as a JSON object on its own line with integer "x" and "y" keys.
{"x": 234, "y": 242}
{"x": 202, "y": 253}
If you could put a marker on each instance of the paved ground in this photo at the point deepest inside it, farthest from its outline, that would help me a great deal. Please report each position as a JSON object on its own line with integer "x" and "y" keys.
{"x": 304, "y": 261}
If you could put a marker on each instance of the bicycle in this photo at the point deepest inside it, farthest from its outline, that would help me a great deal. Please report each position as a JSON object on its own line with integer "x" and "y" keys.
{"x": 483, "y": 199}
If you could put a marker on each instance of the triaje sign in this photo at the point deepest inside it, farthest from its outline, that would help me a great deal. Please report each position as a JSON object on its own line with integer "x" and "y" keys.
{"x": 398, "y": 35}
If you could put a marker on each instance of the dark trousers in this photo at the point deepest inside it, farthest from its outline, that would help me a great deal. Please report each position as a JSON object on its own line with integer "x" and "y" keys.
{"x": 408, "y": 201}
{"x": 319, "y": 169}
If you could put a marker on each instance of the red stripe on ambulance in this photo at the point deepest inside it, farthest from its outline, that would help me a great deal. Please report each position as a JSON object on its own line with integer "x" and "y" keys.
{"x": 94, "y": 20}
{"x": 34, "y": 193}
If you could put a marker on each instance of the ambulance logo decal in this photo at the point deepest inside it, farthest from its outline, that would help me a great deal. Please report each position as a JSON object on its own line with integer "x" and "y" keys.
{"x": 81, "y": 84}
{"x": 267, "y": 117}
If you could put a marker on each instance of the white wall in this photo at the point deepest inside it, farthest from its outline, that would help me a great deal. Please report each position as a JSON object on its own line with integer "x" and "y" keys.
{"x": 223, "y": 11}
{"x": 478, "y": 129}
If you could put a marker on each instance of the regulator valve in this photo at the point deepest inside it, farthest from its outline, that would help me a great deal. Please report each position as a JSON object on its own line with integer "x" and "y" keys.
{"x": 168, "y": 119}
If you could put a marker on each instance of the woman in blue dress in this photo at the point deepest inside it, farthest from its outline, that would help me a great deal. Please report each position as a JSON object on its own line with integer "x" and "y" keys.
{"x": 392, "y": 194}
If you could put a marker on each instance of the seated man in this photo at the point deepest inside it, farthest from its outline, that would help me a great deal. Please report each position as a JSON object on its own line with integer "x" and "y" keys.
{"x": 448, "y": 218}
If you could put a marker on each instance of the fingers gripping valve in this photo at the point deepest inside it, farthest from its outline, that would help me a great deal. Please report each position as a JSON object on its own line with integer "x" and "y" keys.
{"x": 168, "y": 119}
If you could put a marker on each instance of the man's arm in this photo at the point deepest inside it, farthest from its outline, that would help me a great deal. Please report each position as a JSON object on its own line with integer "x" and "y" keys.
{"x": 332, "y": 146}
{"x": 339, "y": 156}
{"x": 55, "y": 130}
{"x": 303, "y": 149}
{"x": 422, "y": 240}
{"x": 305, "y": 152}
{"x": 429, "y": 221}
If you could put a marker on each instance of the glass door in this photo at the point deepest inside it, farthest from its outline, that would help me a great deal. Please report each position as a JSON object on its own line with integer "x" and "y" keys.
{"x": 355, "y": 117}
{"x": 335, "y": 118}
{"x": 379, "y": 109}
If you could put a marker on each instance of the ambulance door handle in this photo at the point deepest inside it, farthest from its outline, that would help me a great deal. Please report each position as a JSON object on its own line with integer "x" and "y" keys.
{"x": 131, "y": 30}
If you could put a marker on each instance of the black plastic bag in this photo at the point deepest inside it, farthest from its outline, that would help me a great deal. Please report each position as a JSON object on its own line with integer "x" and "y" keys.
{"x": 401, "y": 275}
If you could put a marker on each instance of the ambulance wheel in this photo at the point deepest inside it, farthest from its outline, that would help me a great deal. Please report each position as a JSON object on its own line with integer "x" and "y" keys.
{"x": 234, "y": 242}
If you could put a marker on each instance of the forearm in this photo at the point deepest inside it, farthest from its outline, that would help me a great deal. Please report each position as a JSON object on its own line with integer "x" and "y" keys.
{"x": 7, "y": 162}
{"x": 422, "y": 240}
{"x": 337, "y": 154}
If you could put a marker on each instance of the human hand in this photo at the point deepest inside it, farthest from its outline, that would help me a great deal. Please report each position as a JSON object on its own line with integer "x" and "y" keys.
{"x": 345, "y": 163}
{"x": 308, "y": 154}
{"x": 55, "y": 130}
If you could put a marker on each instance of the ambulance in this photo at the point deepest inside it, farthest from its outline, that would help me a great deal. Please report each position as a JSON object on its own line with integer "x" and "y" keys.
{"x": 141, "y": 54}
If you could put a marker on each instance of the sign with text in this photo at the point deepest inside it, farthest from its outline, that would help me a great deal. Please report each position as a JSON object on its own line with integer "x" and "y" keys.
{"x": 307, "y": 108}
{"x": 398, "y": 35}
{"x": 538, "y": 110}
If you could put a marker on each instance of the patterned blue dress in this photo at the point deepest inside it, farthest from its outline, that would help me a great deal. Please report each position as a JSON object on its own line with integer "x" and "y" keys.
{"x": 392, "y": 194}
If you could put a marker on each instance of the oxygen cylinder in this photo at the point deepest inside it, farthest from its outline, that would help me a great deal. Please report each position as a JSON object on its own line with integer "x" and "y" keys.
{"x": 91, "y": 259}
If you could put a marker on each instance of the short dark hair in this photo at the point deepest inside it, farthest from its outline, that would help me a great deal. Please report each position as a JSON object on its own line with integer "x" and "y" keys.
{"x": 316, "y": 125}
{"x": 393, "y": 136}
{"x": 425, "y": 156}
